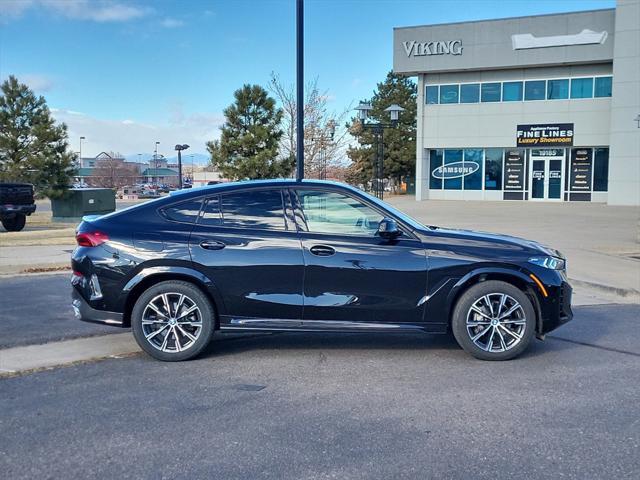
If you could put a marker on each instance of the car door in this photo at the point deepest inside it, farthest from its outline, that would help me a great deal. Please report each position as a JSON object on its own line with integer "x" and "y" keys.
{"x": 244, "y": 242}
{"x": 351, "y": 273}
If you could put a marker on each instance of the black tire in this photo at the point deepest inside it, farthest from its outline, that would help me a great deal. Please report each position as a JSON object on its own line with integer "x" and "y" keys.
{"x": 14, "y": 224}
{"x": 173, "y": 288}
{"x": 525, "y": 326}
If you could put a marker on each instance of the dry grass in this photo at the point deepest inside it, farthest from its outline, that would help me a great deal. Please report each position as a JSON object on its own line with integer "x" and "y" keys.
{"x": 40, "y": 230}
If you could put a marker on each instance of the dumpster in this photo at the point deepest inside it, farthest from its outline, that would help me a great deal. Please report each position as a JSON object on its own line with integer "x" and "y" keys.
{"x": 83, "y": 201}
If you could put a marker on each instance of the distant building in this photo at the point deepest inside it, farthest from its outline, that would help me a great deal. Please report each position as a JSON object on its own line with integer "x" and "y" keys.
{"x": 107, "y": 170}
{"x": 166, "y": 176}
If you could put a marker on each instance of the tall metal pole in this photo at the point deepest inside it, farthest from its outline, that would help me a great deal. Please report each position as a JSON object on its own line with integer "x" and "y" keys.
{"x": 299, "y": 90}
{"x": 179, "y": 169}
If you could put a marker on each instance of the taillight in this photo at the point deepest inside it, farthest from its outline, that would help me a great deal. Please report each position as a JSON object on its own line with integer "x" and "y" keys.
{"x": 91, "y": 239}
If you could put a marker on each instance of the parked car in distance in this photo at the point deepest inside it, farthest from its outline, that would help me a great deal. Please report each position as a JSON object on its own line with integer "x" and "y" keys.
{"x": 17, "y": 202}
{"x": 308, "y": 256}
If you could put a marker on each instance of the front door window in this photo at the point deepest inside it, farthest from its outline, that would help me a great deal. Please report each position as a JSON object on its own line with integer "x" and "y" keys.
{"x": 335, "y": 213}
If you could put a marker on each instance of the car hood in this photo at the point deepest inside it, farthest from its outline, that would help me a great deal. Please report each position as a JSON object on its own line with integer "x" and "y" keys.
{"x": 477, "y": 239}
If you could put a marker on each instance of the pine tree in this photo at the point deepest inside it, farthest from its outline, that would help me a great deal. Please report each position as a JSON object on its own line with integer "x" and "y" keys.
{"x": 249, "y": 143}
{"x": 33, "y": 148}
{"x": 399, "y": 142}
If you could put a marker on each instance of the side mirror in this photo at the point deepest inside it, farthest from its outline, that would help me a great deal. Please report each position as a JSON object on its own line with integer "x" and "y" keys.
{"x": 388, "y": 229}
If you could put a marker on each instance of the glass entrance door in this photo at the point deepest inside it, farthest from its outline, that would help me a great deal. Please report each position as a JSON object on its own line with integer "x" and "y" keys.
{"x": 546, "y": 174}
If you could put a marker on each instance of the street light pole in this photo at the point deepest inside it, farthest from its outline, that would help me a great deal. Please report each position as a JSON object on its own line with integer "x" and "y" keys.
{"x": 179, "y": 149}
{"x": 80, "y": 154}
{"x": 155, "y": 161}
{"x": 299, "y": 90}
{"x": 378, "y": 137}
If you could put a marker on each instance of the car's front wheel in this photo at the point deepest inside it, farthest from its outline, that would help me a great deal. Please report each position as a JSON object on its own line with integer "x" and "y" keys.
{"x": 173, "y": 321}
{"x": 493, "y": 320}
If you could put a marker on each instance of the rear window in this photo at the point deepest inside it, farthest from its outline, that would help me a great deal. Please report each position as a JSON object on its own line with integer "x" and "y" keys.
{"x": 254, "y": 209}
{"x": 186, "y": 212}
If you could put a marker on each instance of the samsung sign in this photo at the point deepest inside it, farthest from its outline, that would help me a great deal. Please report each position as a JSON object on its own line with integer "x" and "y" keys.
{"x": 455, "y": 170}
{"x": 422, "y": 49}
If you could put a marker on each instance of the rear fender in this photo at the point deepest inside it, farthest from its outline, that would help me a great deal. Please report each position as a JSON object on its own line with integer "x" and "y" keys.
{"x": 151, "y": 275}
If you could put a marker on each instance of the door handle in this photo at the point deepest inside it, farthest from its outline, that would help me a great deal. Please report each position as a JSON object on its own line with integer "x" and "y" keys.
{"x": 212, "y": 245}
{"x": 322, "y": 250}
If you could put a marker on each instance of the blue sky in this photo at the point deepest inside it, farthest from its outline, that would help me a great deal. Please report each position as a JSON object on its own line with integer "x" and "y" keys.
{"x": 127, "y": 73}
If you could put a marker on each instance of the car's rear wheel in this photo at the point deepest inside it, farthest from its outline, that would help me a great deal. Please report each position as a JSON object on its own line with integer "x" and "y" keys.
{"x": 14, "y": 224}
{"x": 173, "y": 321}
{"x": 493, "y": 320}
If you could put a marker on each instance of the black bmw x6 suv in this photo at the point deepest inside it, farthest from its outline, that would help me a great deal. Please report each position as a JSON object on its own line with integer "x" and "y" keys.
{"x": 308, "y": 256}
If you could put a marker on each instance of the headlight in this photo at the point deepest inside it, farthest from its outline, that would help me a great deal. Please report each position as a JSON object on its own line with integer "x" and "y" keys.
{"x": 554, "y": 263}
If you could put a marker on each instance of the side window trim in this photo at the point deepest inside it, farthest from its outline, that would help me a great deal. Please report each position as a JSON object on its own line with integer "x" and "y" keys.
{"x": 203, "y": 208}
{"x": 409, "y": 235}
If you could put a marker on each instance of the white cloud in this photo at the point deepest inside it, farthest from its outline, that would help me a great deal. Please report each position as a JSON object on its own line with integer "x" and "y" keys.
{"x": 131, "y": 137}
{"x": 172, "y": 23}
{"x": 14, "y": 8}
{"x": 92, "y": 10}
{"x": 36, "y": 82}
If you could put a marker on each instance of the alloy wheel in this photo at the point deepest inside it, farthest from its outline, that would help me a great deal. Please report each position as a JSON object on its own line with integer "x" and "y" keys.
{"x": 171, "y": 322}
{"x": 496, "y": 322}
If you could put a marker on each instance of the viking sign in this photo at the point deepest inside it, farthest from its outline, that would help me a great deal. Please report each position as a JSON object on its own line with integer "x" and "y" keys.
{"x": 422, "y": 49}
{"x": 455, "y": 170}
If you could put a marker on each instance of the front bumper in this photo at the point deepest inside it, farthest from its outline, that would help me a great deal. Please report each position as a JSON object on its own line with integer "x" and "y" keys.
{"x": 557, "y": 309}
{"x": 85, "y": 312}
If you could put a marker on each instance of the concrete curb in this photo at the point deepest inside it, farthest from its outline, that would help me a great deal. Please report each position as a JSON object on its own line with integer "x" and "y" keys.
{"x": 626, "y": 293}
{"x": 17, "y": 360}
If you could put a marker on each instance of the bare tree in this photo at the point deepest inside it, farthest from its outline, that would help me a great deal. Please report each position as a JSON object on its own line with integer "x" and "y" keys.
{"x": 321, "y": 151}
{"x": 111, "y": 171}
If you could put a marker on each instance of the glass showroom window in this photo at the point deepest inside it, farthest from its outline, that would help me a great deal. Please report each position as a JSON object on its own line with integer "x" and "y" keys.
{"x": 453, "y": 156}
{"x": 534, "y": 90}
{"x": 449, "y": 93}
{"x": 601, "y": 170}
{"x": 603, "y": 87}
{"x": 470, "y": 93}
{"x": 558, "y": 89}
{"x": 432, "y": 95}
{"x": 512, "y": 91}
{"x": 490, "y": 92}
{"x": 435, "y": 161}
{"x": 493, "y": 169}
{"x": 473, "y": 159}
{"x": 581, "y": 87}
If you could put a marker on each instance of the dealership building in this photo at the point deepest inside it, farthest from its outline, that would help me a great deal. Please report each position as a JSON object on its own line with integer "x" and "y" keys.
{"x": 537, "y": 108}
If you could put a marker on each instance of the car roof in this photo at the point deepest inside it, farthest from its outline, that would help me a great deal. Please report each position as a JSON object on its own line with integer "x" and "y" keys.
{"x": 282, "y": 182}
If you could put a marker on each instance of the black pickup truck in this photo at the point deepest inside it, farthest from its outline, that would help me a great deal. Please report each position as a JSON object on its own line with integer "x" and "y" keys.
{"x": 16, "y": 202}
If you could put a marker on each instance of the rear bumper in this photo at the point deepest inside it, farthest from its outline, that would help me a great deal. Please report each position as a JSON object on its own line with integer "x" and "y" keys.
{"x": 11, "y": 210}
{"x": 85, "y": 312}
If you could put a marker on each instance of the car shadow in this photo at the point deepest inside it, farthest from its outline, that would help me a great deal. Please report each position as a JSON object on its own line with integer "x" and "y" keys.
{"x": 232, "y": 343}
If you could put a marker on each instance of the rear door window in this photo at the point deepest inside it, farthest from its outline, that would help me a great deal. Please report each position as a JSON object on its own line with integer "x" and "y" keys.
{"x": 185, "y": 212}
{"x": 254, "y": 209}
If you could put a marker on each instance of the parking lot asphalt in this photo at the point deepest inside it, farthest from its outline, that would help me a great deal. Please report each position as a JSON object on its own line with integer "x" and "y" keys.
{"x": 37, "y": 309}
{"x": 339, "y": 406}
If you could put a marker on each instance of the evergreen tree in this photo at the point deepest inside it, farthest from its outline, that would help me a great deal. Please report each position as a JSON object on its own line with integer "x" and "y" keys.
{"x": 33, "y": 148}
{"x": 250, "y": 139}
{"x": 399, "y": 142}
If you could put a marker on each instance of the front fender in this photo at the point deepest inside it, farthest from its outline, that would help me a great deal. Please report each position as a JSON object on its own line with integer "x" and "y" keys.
{"x": 444, "y": 298}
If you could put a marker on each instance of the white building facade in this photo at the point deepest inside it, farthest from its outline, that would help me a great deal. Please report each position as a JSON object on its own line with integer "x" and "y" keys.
{"x": 540, "y": 108}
